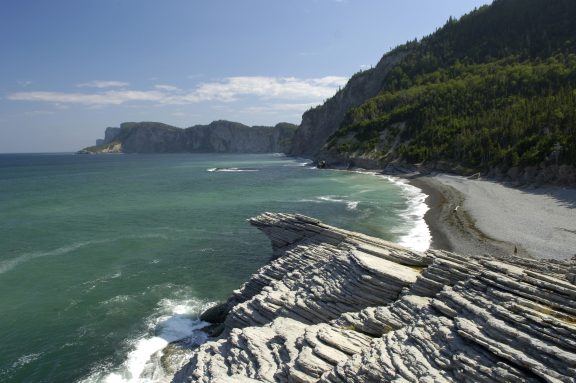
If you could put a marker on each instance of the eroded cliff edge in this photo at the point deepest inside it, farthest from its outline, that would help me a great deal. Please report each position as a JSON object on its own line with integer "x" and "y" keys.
{"x": 339, "y": 306}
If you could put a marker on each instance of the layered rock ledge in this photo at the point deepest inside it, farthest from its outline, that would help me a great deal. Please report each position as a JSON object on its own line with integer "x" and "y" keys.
{"x": 338, "y": 306}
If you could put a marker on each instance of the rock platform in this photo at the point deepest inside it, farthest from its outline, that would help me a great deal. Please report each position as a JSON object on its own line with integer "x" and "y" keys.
{"x": 339, "y": 306}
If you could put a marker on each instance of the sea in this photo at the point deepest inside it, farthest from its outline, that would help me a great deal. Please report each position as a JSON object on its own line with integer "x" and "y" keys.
{"x": 106, "y": 259}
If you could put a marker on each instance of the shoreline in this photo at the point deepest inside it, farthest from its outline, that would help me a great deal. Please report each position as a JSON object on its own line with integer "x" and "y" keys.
{"x": 481, "y": 217}
{"x": 488, "y": 217}
{"x": 451, "y": 226}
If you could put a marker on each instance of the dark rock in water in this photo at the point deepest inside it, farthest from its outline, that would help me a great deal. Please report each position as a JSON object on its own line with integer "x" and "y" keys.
{"x": 215, "y": 314}
{"x": 214, "y": 330}
{"x": 338, "y": 306}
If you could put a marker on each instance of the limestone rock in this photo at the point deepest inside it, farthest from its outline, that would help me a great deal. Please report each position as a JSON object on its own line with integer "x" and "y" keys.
{"x": 338, "y": 306}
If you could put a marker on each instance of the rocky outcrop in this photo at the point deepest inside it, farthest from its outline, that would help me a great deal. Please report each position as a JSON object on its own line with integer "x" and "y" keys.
{"x": 110, "y": 135}
{"x": 338, "y": 306}
{"x": 319, "y": 123}
{"x": 217, "y": 137}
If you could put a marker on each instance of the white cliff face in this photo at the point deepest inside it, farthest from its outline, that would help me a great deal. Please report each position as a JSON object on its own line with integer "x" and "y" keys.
{"x": 337, "y": 306}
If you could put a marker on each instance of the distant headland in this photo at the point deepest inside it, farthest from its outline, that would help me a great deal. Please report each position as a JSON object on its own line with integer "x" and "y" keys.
{"x": 216, "y": 137}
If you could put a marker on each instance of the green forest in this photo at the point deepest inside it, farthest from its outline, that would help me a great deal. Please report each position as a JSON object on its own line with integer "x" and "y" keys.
{"x": 496, "y": 88}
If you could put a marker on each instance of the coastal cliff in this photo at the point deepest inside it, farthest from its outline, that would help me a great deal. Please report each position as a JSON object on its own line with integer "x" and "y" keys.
{"x": 338, "y": 306}
{"x": 319, "y": 123}
{"x": 491, "y": 92}
{"x": 216, "y": 137}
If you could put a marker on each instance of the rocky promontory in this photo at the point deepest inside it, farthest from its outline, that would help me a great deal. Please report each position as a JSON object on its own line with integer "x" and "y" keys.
{"x": 338, "y": 306}
{"x": 216, "y": 137}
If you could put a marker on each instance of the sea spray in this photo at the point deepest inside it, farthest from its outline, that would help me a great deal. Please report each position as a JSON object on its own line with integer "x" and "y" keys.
{"x": 173, "y": 320}
{"x": 415, "y": 234}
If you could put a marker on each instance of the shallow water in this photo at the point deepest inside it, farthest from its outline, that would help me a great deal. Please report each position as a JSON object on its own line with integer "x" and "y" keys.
{"x": 106, "y": 259}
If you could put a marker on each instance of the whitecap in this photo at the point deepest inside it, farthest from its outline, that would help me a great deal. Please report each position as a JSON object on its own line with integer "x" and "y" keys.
{"x": 350, "y": 205}
{"x": 26, "y": 359}
{"x": 173, "y": 320}
{"x": 417, "y": 235}
{"x": 232, "y": 170}
{"x": 298, "y": 164}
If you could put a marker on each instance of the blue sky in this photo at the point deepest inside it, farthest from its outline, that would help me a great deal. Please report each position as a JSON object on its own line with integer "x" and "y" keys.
{"x": 71, "y": 68}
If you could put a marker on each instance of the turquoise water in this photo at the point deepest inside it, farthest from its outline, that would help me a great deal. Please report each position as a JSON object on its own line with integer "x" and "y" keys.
{"x": 104, "y": 259}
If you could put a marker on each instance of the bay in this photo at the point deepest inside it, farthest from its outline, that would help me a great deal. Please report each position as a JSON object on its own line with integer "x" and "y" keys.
{"x": 105, "y": 259}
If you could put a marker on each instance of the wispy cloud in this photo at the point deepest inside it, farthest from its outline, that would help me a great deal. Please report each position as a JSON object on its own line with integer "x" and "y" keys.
{"x": 104, "y": 98}
{"x": 103, "y": 84}
{"x": 279, "y": 107}
{"x": 169, "y": 88}
{"x": 297, "y": 91}
{"x": 271, "y": 87}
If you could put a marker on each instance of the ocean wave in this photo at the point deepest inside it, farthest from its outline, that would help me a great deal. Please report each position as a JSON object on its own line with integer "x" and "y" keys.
{"x": 350, "y": 205}
{"x": 232, "y": 170}
{"x": 173, "y": 320}
{"x": 26, "y": 359}
{"x": 418, "y": 235}
{"x": 299, "y": 164}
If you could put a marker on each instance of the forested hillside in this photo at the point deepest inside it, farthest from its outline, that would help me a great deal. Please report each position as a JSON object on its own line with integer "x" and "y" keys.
{"x": 495, "y": 89}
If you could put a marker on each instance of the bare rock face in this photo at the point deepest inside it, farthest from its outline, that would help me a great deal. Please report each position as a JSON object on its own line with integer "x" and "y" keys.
{"x": 320, "y": 123}
{"x": 110, "y": 134}
{"x": 217, "y": 137}
{"x": 338, "y": 306}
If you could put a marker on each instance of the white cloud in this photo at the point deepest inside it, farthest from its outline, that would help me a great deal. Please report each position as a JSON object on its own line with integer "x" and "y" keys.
{"x": 169, "y": 88}
{"x": 270, "y": 88}
{"x": 105, "y": 98}
{"x": 103, "y": 84}
{"x": 296, "y": 91}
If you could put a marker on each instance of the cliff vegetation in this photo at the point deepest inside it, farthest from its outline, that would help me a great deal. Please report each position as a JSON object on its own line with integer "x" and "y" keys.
{"x": 495, "y": 89}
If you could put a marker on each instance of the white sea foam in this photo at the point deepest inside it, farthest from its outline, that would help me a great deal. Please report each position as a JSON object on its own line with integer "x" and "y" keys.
{"x": 350, "y": 205}
{"x": 9, "y": 264}
{"x": 296, "y": 164}
{"x": 418, "y": 236}
{"x": 173, "y": 320}
{"x": 231, "y": 170}
{"x": 25, "y": 359}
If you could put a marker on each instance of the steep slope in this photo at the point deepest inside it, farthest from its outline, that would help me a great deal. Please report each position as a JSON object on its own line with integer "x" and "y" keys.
{"x": 217, "y": 137}
{"x": 322, "y": 121}
{"x": 494, "y": 91}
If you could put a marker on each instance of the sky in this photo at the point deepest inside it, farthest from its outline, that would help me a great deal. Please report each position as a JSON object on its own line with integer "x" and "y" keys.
{"x": 71, "y": 68}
